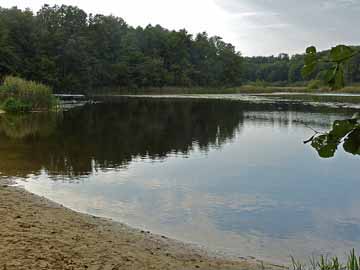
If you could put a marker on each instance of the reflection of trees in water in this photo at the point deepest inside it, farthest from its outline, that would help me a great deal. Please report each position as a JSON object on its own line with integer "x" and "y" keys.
{"x": 112, "y": 134}
{"x": 18, "y": 134}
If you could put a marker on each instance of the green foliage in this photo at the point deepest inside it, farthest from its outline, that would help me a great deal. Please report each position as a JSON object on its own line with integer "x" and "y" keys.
{"x": 72, "y": 51}
{"x": 268, "y": 69}
{"x": 343, "y": 131}
{"x": 315, "y": 84}
{"x": 336, "y": 60}
{"x": 18, "y": 95}
{"x": 13, "y": 105}
{"x": 325, "y": 263}
{"x": 312, "y": 65}
{"x": 310, "y": 60}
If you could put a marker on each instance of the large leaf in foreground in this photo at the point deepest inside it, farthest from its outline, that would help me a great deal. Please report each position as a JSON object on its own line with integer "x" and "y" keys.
{"x": 347, "y": 131}
{"x": 325, "y": 147}
{"x": 352, "y": 142}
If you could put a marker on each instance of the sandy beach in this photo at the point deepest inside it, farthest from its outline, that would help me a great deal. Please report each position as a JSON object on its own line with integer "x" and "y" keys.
{"x": 36, "y": 233}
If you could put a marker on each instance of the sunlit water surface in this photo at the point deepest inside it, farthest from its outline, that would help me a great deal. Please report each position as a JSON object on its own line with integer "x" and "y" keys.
{"x": 231, "y": 176}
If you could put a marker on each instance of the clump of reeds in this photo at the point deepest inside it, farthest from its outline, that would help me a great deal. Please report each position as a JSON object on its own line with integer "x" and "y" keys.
{"x": 19, "y": 95}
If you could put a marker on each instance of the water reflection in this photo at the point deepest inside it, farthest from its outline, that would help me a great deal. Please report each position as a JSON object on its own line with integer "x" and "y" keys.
{"x": 229, "y": 175}
{"x": 111, "y": 135}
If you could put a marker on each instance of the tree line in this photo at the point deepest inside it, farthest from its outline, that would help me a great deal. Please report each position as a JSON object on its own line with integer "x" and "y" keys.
{"x": 73, "y": 51}
{"x": 284, "y": 69}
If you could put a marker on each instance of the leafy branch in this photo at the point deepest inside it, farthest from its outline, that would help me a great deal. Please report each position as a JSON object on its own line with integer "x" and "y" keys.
{"x": 343, "y": 131}
{"x": 337, "y": 57}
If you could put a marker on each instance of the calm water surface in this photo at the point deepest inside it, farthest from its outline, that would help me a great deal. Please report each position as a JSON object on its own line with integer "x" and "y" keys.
{"x": 232, "y": 176}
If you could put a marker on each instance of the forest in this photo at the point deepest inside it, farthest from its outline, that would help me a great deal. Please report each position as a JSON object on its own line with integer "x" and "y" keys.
{"x": 72, "y": 51}
{"x": 75, "y": 52}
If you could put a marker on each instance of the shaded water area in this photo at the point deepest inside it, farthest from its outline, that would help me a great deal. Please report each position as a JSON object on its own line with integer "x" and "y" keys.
{"x": 232, "y": 176}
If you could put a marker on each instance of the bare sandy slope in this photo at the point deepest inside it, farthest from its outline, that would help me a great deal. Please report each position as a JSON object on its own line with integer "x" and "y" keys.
{"x": 38, "y": 234}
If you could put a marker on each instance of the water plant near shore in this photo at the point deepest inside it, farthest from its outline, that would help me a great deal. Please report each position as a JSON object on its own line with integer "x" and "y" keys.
{"x": 19, "y": 95}
{"x": 324, "y": 263}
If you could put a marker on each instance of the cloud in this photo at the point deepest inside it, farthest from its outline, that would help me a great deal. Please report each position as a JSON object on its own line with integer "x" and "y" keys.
{"x": 290, "y": 26}
{"x": 255, "y": 27}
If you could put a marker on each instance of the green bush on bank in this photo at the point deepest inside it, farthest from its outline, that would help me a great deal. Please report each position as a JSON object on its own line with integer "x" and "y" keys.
{"x": 19, "y": 95}
{"x": 12, "y": 104}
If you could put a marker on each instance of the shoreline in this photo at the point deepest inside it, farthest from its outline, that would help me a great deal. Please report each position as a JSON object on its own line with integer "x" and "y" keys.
{"x": 244, "y": 89}
{"x": 36, "y": 233}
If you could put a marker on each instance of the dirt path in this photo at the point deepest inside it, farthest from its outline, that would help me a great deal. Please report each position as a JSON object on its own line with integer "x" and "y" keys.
{"x": 38, "y": 234}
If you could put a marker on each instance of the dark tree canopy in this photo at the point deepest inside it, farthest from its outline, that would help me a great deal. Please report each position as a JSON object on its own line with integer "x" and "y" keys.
{"x": 72, "y": 51}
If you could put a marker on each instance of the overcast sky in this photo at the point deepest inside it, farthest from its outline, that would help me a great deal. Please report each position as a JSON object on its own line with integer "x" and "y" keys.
{"x": 255, "y": 27}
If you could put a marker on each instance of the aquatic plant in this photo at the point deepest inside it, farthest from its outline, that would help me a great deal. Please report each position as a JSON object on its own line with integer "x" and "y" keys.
{"x": 324, "y": 263}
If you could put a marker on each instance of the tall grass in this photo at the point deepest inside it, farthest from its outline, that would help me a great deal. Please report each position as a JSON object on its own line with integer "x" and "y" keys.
{"x": 324, "y": 263}
{"x": 17, "y": 94}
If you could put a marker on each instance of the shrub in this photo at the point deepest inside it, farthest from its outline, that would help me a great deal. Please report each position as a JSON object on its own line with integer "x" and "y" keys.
{"x": 12, "y": 104}
{"x": 17, "y": 94}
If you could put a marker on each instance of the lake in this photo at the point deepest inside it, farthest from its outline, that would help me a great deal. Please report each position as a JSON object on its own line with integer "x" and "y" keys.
{"x": 233, "y": 176}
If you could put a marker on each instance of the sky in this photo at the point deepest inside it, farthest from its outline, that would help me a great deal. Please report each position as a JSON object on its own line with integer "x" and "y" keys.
{"x": 255, "y": 27}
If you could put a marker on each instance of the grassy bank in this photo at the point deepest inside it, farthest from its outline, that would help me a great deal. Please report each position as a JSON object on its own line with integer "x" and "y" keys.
{"x": 19, "y": 95}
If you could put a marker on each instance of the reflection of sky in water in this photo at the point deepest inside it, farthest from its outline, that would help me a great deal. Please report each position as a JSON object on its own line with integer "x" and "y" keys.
{"x": 264, "y": 193}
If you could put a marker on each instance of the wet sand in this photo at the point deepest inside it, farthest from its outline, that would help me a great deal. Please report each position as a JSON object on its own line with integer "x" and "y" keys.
{"x": 36, "y": 233}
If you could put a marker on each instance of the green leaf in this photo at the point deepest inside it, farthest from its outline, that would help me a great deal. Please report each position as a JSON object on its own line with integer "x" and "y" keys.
{"x": 330, "y": 76}
{"x": 326, "y": 144}
{"x": 311, "y": 61}
{"x": 311, "y": 50}
{"x": 352, "y": 142}
{"x": 341, "y": 128}
{"x": 335, "y": 77}
{"x": 308, "y": 69}
{"x": 339, "y": 78}
{"x": 341, "y": 53}
{"x": 326, "y": 148}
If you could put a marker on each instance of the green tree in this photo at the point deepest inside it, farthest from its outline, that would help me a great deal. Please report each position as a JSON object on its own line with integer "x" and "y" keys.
{"x": 72, "y": 51}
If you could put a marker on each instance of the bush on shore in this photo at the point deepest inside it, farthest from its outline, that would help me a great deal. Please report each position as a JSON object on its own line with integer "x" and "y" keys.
{"x": 19, "y": 95}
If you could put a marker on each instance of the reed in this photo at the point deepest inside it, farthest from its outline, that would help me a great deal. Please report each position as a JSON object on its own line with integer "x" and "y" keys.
{"x": 19, "y": 95}
{"x": 325, "y": 263}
